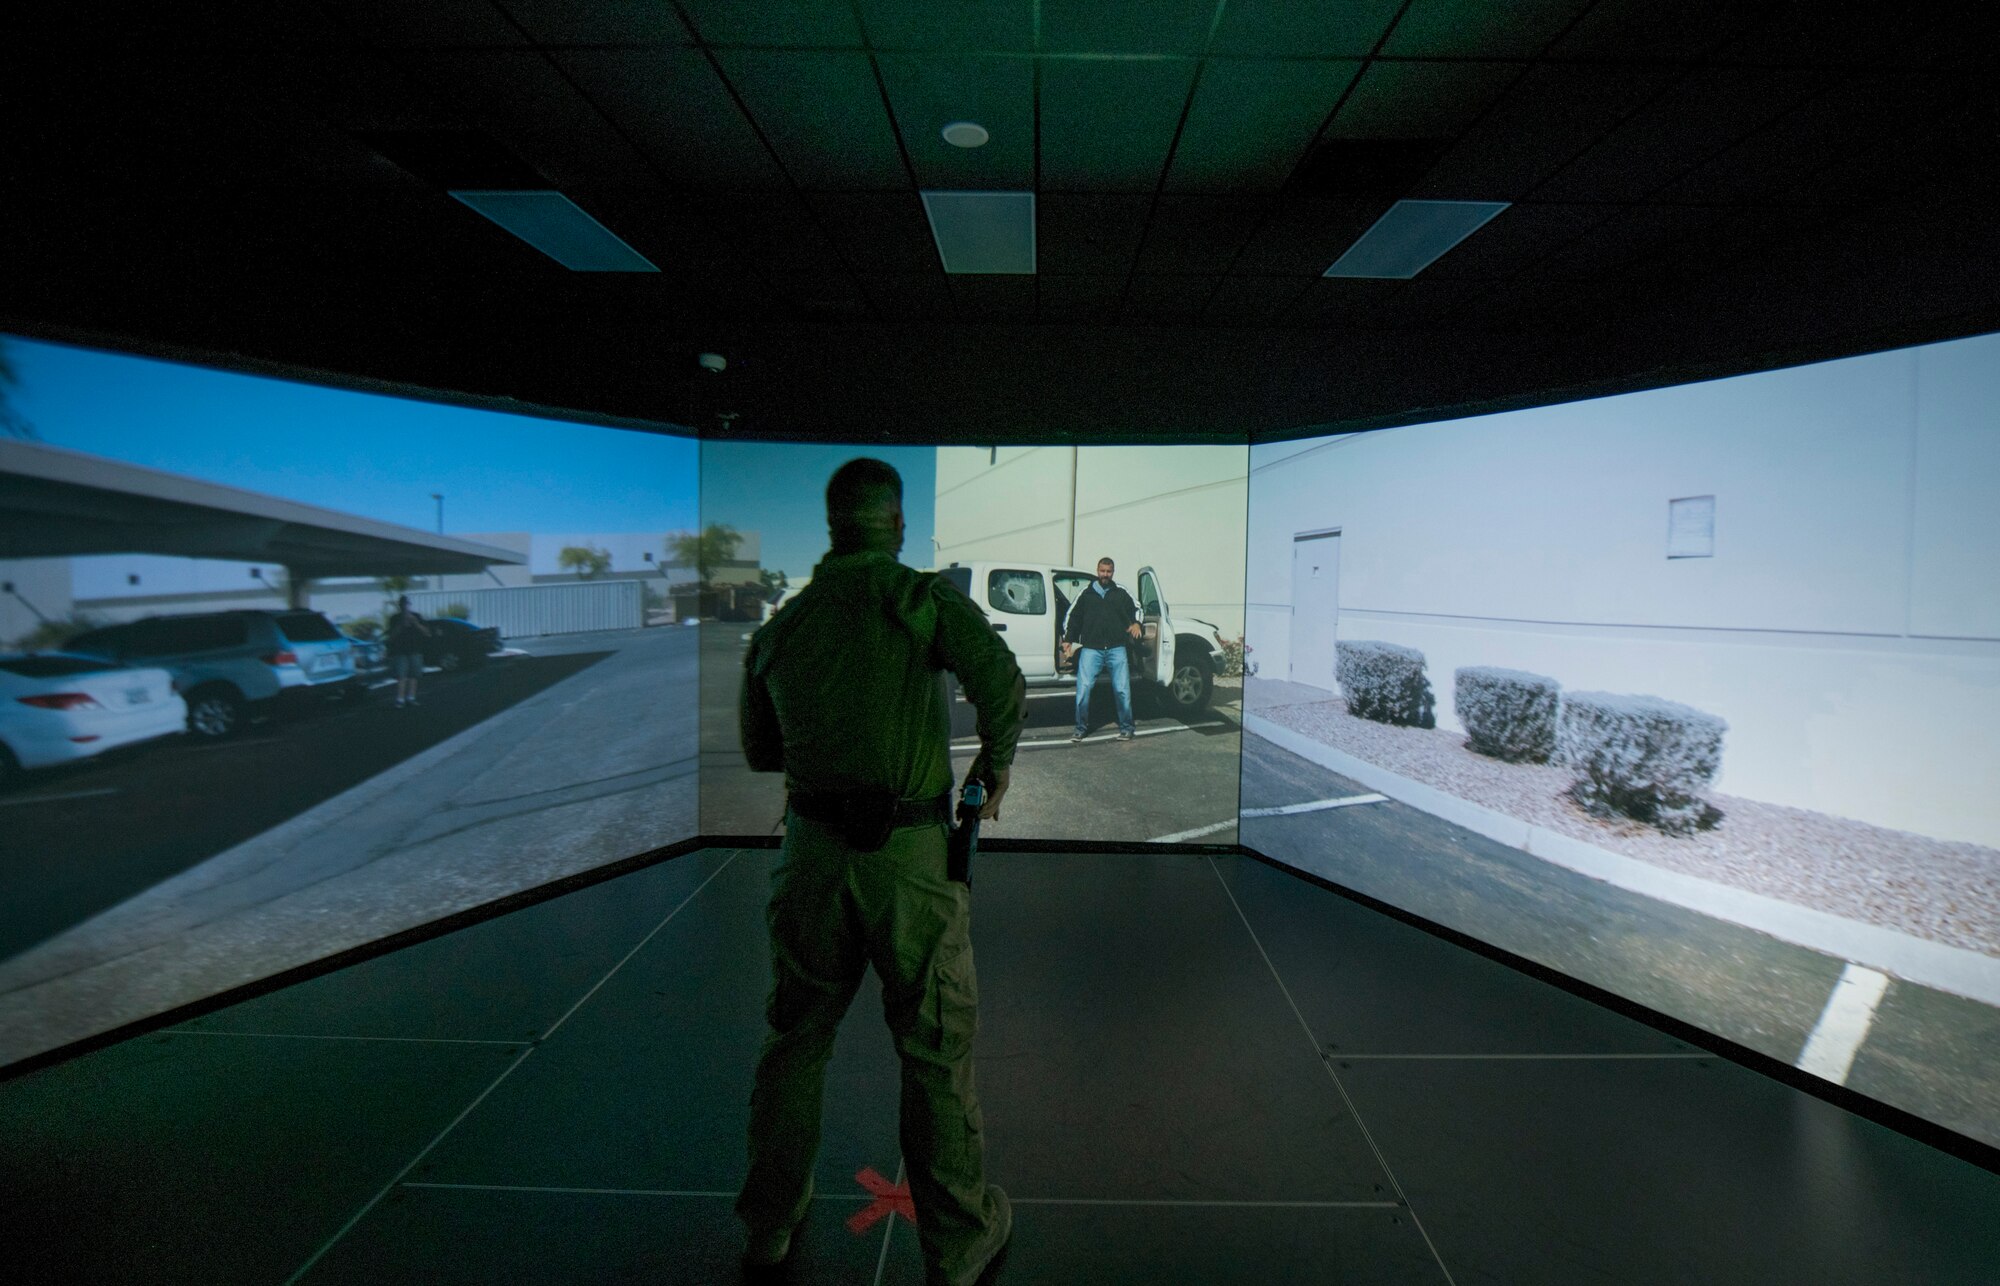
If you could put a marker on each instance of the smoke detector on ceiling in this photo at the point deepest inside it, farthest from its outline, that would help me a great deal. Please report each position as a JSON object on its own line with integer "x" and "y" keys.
{"x": 965, "y": 134}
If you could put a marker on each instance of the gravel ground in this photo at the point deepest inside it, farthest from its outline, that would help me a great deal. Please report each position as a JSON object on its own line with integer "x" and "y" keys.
{"x": 1936, "y": 889}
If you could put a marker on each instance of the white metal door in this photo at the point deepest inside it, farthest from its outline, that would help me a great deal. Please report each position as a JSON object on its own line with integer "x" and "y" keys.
{"x": 1315, "y": 607}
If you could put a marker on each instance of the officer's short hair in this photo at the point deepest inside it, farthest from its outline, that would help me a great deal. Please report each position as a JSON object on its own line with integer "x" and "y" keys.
{"x": 860, "y": 493}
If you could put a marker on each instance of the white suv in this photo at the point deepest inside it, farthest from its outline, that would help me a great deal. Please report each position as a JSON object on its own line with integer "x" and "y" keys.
{"x": 1028, "y": 604}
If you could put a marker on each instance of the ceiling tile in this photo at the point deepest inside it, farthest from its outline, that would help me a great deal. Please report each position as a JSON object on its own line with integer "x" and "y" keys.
{"x": 526, "y": 104}
{"x": 774, "y": 22}
{"x": 984, "y": 298}
{"x": 1700, "y": 117}
{"x": 879, "y": 232}
{"x": 1253, "y": 301}
{"x": 674, "y": 105}
{"x": 1514, "y": 240}
{"x": 965, "y": 26}
{"x": 929, "y": 92}
{"x": 1542, "y": 123}
{"x": 1252, "y": 121}
{"x": 1427, "y": 303}
{"x": 1080, "y": 299}
{"x": 1340, "y": 301}
{"x": 1480, "y": 28}
{"x": 1649, "y": 30}
{"x": 1420, "y": 99}
{"x": 565, "y": 22}
{"x": 1083, "y": 234}
{"x": 823, "y": 113}
{"x": 1198, "y": 234}
{"x": 1848, "y": 33}
{"x": 1095, "y": 27}
{"x": 910, "y": 296}
{"x": 1855, "y": 114}
{"x": 436, "y": 24}
{"x": 1106, "y": 126}
{"x": 1166, "y": 301}
{"x": 1286, "y": 28}
{"x": 775, "y": 232}
{"x": 1629, "y": 236}
{"x": 1304, "y": 235}
{"x": 826, "y": 297}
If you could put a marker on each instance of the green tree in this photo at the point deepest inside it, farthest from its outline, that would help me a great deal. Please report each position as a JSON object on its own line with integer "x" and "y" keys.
{"x": 12, "y": 422}
{"x": 707, "y": 550}
{"x": 774, "y": 583}
{"x": 585, "y": 560}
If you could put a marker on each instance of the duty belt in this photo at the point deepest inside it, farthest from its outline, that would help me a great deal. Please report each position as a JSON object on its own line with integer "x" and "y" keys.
{"x": 836, "y": 806}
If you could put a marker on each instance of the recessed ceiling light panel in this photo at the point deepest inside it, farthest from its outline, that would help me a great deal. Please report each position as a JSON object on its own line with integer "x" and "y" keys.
{"x": 559, "y": 228}
{"x": 965, "y": 134}
{"x": 983, "y": 232}
{"x": 1412, "y": 236}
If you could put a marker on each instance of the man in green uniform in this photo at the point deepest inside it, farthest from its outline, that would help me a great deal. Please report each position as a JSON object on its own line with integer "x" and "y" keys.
{"x": 843, "y": 693}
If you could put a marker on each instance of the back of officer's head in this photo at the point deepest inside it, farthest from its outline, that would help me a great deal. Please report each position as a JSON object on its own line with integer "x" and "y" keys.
{"x": 864, "y": 501}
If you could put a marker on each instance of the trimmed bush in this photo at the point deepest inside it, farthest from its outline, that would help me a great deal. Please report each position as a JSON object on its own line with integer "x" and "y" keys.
{"x": 1384, "y": 682}
{"x": 1641, "y": 757}
{"x": 1508, "y": 714}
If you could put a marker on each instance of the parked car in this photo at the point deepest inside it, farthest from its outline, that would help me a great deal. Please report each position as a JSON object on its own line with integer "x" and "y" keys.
{"x": 458, "y": 645}
{"x": 234, "y": 666}
{"x": 371, "y": 655}
{"x": 1028, "y": 603}
{"x": 56, "y": 707}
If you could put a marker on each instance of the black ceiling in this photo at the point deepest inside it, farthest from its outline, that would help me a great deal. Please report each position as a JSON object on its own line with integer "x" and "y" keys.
{"x": 1698, "y": 186}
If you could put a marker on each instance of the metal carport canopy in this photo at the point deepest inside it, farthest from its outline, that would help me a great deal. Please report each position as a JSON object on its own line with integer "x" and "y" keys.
{"x": 56, "y": 502}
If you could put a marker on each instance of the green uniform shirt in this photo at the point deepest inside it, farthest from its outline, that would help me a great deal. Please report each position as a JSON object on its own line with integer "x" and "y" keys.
{"x": 841, "y": 688}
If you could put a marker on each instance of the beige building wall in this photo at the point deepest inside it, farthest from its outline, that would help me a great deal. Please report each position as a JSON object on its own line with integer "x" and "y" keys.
{"x": 1179, "y": 510}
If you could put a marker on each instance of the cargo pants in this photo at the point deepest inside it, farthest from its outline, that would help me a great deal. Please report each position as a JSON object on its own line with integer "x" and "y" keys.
{"x": 834, "y": 911}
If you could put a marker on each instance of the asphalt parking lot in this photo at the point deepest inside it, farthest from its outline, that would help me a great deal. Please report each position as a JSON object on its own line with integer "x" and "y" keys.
{"x": 1927, "y": 1051}
{"x": 1176, "y": 781}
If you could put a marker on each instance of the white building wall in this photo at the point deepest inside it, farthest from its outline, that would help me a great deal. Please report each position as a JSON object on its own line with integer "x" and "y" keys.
{"x": 1852, "y": 530}
{"x": 1178, "y": 509}
{"x": 41, "y": 590}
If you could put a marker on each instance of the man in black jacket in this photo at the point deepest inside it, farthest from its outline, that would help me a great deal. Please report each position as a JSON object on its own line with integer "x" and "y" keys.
{"x": 1100, "y": 621}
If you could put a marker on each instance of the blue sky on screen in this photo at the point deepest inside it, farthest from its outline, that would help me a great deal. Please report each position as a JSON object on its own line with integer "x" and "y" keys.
{"x": 779, "y": 489}
{"x": 360, "y": 453}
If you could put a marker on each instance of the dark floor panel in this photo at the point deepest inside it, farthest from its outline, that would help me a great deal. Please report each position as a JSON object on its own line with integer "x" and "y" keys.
{"x": 509, "y": 978}
{"x": 1068, "y": 1245}
{"x": 648, "y": 1084}
{"x": 1370, "y": 985}
{"x": 215, "y": 1159}
{"x": 1668, "y": 1171}
{"x": 1134, "y": 1045}
{"x": 443, "y": 1237}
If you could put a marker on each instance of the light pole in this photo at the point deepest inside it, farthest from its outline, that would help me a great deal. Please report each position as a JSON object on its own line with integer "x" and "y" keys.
{"x": 439, "y": 497}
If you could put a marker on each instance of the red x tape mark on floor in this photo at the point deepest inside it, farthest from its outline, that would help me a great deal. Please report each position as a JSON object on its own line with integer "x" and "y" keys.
{"x": 890, "y": 1198}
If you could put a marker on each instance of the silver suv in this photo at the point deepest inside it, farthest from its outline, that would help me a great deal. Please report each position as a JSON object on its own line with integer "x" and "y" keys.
{"x": 233, "y": 665}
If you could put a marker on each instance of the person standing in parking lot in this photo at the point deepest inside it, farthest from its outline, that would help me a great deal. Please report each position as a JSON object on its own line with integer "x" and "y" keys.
{"x": 842, "y": 693}
{"x": 404, "y": 642}
{"x": 1100, "y": 621}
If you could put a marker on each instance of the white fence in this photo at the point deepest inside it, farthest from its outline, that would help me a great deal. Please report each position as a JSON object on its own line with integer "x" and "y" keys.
{"x": 526, "y": 610}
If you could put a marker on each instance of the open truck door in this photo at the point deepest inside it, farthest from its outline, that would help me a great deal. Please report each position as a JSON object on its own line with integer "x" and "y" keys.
{"x": 1156, "y": 646}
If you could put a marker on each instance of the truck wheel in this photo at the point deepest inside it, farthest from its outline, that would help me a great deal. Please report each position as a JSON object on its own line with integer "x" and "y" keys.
{"x": 1191, "y": 685}
{"x": 214, "y": 712}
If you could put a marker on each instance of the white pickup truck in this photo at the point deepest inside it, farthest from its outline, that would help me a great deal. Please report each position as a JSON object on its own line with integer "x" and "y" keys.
{"x": 1028, "y": 604}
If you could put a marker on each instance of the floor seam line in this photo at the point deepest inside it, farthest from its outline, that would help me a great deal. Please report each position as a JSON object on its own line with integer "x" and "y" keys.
{"x": 1367, "y": 1135}
{"x": 639, "y": 946}
{"x": 299, "y": 1035}
{"x": 390, "y": 1186}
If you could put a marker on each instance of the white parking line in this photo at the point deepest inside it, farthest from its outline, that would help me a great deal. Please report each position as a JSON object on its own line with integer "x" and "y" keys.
{"x": 1843, "y": 1025}
{"x": 1179, "y": 837}
{"x": 1317, "y": 805}
{"x": 970, "y": 743}
{"x": 51, "y": 799}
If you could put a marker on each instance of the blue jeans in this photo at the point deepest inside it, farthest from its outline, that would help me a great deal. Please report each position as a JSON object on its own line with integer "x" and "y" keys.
{"x": 1089, "y": 661}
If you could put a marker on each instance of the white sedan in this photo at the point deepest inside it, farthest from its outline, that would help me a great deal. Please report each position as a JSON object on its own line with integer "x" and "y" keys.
{"x": 56, "y": 707}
